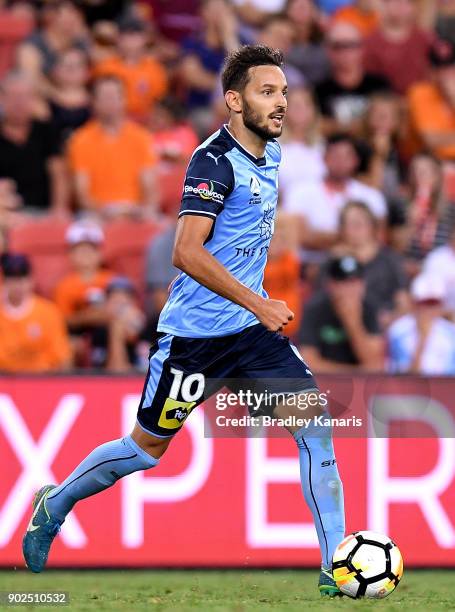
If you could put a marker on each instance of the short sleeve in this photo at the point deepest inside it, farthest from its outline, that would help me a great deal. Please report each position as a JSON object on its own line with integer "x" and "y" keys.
{"x": 209, "y": 181}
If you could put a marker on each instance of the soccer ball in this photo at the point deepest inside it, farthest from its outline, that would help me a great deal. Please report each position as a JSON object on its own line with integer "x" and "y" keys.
{"x": 367, "y": 564}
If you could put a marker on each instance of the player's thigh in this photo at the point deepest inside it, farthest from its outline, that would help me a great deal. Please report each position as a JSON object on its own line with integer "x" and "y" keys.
{"x": 176, "y": 383}
{"x": 275, "y": 367}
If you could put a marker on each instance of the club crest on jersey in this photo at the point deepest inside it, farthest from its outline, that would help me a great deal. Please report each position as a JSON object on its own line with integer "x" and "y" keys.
{"x": 266, "y": 224}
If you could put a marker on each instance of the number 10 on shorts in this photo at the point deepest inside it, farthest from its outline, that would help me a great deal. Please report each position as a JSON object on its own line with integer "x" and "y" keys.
{"x": 190, "y": 388}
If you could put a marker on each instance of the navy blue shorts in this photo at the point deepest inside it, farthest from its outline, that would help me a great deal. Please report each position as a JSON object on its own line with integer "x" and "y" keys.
{"x": 179, "y": 368}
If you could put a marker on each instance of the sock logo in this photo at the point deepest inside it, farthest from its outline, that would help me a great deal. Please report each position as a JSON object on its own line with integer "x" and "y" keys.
{"x": 328, "y": 462}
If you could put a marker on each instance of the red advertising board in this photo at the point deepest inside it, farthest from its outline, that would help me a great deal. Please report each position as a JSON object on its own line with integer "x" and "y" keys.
{"x": 225, "y": 501}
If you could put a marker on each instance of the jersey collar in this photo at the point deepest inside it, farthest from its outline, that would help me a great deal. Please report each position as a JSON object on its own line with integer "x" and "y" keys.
{"x": 259, "y": 161}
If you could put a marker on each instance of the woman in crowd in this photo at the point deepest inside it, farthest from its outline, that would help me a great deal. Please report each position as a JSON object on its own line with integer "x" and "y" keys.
{"x": 69, "y": 98}
{"x": 302, "y": 148}
{"x": 430, "y": 216}
{"x": 382, "y": 128}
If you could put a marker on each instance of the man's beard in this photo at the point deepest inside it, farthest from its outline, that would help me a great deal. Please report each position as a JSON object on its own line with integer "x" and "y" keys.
{"x": 252, "y": 120}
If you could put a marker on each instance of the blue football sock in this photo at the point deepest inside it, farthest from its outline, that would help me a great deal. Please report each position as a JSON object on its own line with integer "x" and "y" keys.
{"x": 322, "y": 487}
{"x": 98, "y": 471}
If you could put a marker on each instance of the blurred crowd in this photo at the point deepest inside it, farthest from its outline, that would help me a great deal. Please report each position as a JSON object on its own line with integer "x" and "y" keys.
{"x": 102, "y": 103}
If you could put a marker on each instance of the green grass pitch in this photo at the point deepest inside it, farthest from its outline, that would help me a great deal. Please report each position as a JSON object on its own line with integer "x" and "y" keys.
{"x": 141, "y": 590}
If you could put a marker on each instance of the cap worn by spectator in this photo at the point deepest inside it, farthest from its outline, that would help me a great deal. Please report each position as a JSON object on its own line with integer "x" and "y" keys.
{"x": 84, "y": 232}
{"x": 15, "y": 265}
{"x": 426, "y": 288}
{"x": 442, "y": 53}
{"x": 344, "y": 268}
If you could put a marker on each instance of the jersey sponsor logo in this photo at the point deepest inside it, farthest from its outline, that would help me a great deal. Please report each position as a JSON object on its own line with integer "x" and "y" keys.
{"x": 209, "y": 154}
{"x": 205, "y": 191}
{"x": 174, "y": 413}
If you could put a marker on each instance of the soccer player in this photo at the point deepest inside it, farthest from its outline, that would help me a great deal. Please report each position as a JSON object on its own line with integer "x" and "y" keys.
{"x": 218, "y": 321}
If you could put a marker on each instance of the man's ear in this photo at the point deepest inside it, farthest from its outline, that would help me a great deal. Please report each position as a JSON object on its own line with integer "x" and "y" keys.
{"x": 233, "y": 100}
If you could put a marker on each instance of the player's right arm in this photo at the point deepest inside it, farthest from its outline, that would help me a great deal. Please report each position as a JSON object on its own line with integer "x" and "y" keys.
{"x": 194, "y": 259}
{"x": 208, "y": 182}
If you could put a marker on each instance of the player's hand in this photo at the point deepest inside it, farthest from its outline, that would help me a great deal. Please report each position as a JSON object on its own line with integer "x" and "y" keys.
{"x": 274, "y": 314}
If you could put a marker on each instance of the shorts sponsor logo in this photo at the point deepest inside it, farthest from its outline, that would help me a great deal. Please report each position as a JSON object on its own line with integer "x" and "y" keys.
{"x": 174, "y": 413}
{"x": 205, "y": 191}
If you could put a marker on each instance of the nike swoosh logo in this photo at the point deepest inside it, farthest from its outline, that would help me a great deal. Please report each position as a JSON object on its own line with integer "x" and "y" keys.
{"x": 31, "y": 526}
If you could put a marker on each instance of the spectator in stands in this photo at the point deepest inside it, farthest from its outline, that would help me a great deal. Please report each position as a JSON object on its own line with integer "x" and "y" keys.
{"x": 441, "y": 262}
{"x": 361, "y": 13}
{"x": 445, "y": 20}
{"x": 177, "y": 19}
{"x": 423, "y": 342}
{"x": 32, "y": 329}
{"x": 307, "y": 53}
{"x": 174, "y": 139}
{"x": 383, "y": 270}
{"x": 69, "y": 98}
{"x": 432, "y": 103}
{"x": 430, "y": 217}
{"x": 112, "y": 158}
{"x": 62, "y": 27}
{"x": 383, "y": 123}
{"x": 282, "y": 273}
{"x": 30, "y": 150}
{"x": 278, "y": 33}
{"x": 257, "y": 12}
{"x": 126, "y": 322}
{"x": 159, "y": 272}
{"x": 339, "y": 329}
{"x": 398, "y": 49}
{"x": 343, "y": 96}
{"x": 103, "y": 44}
{"x": 318, "y": 204}
{"x": 302, "y": 147}
{"x": 17, "y": 21}
{"x": 331, "y": 6}
{"x": 144, "y": 77}
{"x": 81, "y": 295}
{"x": 203, "y": 56}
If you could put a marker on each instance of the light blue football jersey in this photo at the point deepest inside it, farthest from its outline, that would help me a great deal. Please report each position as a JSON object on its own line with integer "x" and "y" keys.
{"x": 239, "y": 192}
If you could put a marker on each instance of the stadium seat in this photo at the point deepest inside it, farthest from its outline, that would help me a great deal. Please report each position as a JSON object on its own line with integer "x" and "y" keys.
{"x": 125, "y": 247}
{"x": 43, "y": 240}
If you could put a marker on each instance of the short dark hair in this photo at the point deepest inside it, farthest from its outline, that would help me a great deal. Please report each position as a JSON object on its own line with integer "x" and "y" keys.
{"x": 341, "y": 137}
{"x": 235, "y": 71}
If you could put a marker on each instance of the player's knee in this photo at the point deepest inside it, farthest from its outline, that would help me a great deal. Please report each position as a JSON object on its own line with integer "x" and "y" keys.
{"x": 154, "y": 446}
